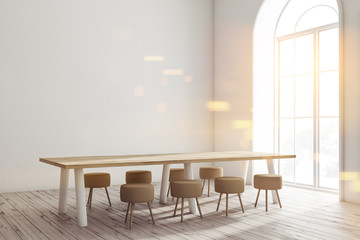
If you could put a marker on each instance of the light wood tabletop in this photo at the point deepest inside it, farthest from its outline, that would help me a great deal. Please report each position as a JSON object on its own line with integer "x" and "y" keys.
{"x": 157, "y": 159}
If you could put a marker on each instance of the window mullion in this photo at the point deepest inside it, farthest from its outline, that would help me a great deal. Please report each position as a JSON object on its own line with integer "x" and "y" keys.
{"x": 316, "y": 111}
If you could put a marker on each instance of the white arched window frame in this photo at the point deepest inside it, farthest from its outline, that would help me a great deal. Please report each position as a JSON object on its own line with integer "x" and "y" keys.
{"x": 310, "y": 167}
{"x": 258, "y": 132}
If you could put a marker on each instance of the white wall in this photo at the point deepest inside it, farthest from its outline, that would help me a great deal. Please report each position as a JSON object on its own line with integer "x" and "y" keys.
{"x": 233, "y": 28}
{"x": 351, "y": 105}
{"x": 68, "y": 70}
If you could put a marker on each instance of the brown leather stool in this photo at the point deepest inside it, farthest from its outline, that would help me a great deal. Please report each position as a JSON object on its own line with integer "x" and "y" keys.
{"x": 176, "y": 174}
{"x": 186, "y": 189}
{"x": 229, "y": 185}
{"x": 210, "y": 173}
{"x": 267, "y": 182}
{"x": 97, "y": 180}
{"x": 136, "y": 193}
{"x": 138, "y": 176}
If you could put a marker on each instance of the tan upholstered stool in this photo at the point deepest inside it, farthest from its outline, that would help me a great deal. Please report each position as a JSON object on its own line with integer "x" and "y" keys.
{"x": 267, "y": 182}
{"x": 97, "y": 180}
{"x": 186, "y": 189}
{"x": 229, "y": 185}
{"x": 136, "y": 193}
{"x": 176, "y": 174}
{"x": 138, "y": 176}
{"x": 210, "y": 173}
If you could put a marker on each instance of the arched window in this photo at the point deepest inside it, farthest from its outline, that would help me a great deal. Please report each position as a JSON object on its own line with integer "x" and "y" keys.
{"x": 305, "y": 89}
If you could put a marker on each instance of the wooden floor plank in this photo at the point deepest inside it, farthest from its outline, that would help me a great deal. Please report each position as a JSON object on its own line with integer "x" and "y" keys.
{"x": 67, "y": 224}
{"x": 45, "y": 225}
{"x": 6, "y": 232}
{"x": 18, "y": 222}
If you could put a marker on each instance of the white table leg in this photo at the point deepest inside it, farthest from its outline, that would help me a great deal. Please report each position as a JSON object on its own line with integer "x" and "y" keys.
{"x": 271, "y": 170}
{"x": 189, "y": 175}
{"x": 244, "y": 169}
{"x": 64, "y": 183}
{"x": 80, "y": 197}
{"x": 164, "y": 183}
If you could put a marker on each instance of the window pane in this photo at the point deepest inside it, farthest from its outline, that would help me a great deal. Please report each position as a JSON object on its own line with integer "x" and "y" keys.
{"x": 329, "y": 93}
{"x": 287, "y": 97}
{"x": 329, "y": 152}
{"x": 304, "y": 54}
{"x": 304, "y": 100}
{"x": 287, "y": 147}
{"x": 287, "y": 57}
{"x": 329, "y": 49}
{"x": 316, "y": 17}
{"x": 304, "y": 149}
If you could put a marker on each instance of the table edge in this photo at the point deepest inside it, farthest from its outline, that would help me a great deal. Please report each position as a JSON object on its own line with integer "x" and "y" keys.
{"x": 101, "y": 165}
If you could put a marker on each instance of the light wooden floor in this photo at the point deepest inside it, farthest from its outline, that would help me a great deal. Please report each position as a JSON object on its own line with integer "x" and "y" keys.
{"x": 306, "y": 214}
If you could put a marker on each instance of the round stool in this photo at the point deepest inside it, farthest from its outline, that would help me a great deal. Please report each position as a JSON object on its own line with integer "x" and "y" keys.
{"x": 97, "y": 180}
{"x": 229, "y": 185}
{"x": 267, "y": 182}
{"x": 186, "y": 189}
{"x": 210, "y": 173}
{"x": 176, "y": 174}
{"x": 138, "y": 176}
{"x": 136, "y": 193}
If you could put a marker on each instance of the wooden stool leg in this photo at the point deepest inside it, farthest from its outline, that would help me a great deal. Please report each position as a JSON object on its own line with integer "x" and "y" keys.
{"x": 152, "y": 218}
{"x": 208, "y": 187}
{"x": 242, "y": 207}
{"x": 182, "y": 208}
{"x": 217, "y": 209}
{"x": 90, "y": 197}
{"x": 266, "y": 199}
{"x": 202, "y": 189}
{"x": 168, "y": 190}
{"x": 127, "y": 212}
{"x": 257, "y": 198}
{"x": 278, "y": 197}
{"x": 176, "y": 205}
{"x": 131, "y": 214}
{"x": 107, "y": 194}
{"x": 227, "y": 196}
{"x": 88, "y": 201}
{"x": 197, "y": 201}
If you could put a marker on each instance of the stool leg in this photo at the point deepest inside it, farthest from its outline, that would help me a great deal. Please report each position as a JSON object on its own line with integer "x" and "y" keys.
{"x": 257, "y": 198}
{"x": 202, "y": 189}
{"x": 107, "y": 194}
{"x": 127, "y": 212}
{"x": 182, "y": 208}
{"x": 152, "y": 218}
{"x": 227, "y": 196}
{"x": 88, "y": 201}
{"x": 131, "y": 214}
{"x": 242, "y": 207}
{"x": 217, "y": 209}
{"x": 197, "y": 201}
{"x": 168, "y": 190}
{"x": 208, "y": 187}
{"x": 90, "y": 197}
{"x": 176, "y": 205}
{"x": 278, "y": 197}
{"x": 266, "y": 199}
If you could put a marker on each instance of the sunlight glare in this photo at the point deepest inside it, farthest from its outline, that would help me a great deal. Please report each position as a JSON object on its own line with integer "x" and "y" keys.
{"x": 218, "y": 106}
{"x": 154, "y": 58}
{"x": 139, "y": 91}
{"x": 172, "y": 72}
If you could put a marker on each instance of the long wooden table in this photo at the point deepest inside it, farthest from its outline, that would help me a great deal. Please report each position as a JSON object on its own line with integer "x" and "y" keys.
{"x": 79, "y": 163}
